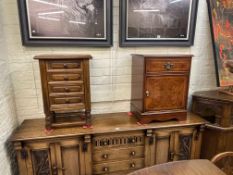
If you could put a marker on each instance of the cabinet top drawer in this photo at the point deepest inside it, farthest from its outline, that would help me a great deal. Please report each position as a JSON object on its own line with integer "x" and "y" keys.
{"x": 156, "y": 65}
{"x": 64, "y": 65}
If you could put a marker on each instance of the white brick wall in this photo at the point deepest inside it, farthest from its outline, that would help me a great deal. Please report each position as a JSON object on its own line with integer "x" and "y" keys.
{"x": 110, "y": 68}
{"x": 8, "y": 120}
{"x": 110, "y": 71}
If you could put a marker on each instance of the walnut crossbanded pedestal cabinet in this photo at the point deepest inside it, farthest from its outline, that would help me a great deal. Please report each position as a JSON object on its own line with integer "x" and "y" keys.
{"x": 160, "y": 86}
{"x": 116, "y": 145}
{"x": 66, "y": 89}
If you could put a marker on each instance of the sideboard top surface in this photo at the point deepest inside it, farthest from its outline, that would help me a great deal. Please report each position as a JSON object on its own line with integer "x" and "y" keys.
{"x": 214, "y": 95}
{"x": 33, "y": 129}
{"x": 61, "y": 56}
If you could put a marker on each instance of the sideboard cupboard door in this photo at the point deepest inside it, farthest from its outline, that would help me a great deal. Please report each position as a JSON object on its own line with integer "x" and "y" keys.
{"x": 175, "y": 144}
{"x": 70, "y": 158}
{"x": 166, "y": 92}
{"x": 38, "y": 158}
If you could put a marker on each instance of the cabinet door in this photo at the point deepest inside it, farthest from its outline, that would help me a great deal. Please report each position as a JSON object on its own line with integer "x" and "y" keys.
{"x": 38, "y": 158}
{"x": 174, "y": 144}
{"x": 69, "y": 158}
{"x": 166, "y": 92}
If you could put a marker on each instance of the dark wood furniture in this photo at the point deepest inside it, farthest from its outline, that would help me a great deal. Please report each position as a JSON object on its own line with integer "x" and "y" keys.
{"x": 224, "y": 161}
{"x": 66, "y": 89}
{"x": 116, "y": 145}
{"x": 217, "y": 108}
{"x": 160, "y": 86}
{"x": 187, "y": 167}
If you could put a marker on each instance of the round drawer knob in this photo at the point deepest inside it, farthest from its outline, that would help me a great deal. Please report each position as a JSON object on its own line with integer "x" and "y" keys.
{"x": 67, "y": 89}
{"x": 132, "y": 165}
{"x": 66, "y": 78}
{"x": 105, "y": 169}
{"x": 133, "y": 140}
{"x": 105, "y": 156}
{"x": 65, "y": 66}
{"x": 133, "y": 153}
{"x": 105, "y": 143}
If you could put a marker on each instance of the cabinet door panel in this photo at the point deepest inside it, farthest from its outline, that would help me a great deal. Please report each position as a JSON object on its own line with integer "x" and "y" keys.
{"x": 70, "y": 160}
{"x": 40, "y": 162}
{"x": 185, "y": 147}
{"x": 166, "y": 92}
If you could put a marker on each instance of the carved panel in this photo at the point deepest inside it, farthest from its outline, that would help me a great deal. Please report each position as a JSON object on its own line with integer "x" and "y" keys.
{"x": 185, "y": 147}
{"x": 118, "y": 140}
{"x": 40, "y": 161}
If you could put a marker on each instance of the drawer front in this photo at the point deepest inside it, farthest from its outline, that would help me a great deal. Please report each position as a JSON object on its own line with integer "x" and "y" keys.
{"x": 67, "y": 107}
{"x": 126, "y": 165}
{"x": 66, "y": 89}
{"x": 65, "y": 77}
{"x": 66, "y": 100}
{"x": 167, "y": 65}
{"x": 119, "y": 154}
{"x": 64, "y": 65}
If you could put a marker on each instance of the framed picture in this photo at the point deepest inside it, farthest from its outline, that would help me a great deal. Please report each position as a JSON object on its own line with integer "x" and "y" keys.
{"x": 66, "y": 22}
{"x": 157, "y": 22}
{"x": 221, "y": 22}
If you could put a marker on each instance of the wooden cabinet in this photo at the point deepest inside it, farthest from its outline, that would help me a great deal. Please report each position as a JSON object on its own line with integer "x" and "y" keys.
{"x": 55, "y": 157}
{"x": 116, "y": 145}
{"x": 217, "y": 108}
{"x": 160, "y": 87}
{"x": 66, "y": 89}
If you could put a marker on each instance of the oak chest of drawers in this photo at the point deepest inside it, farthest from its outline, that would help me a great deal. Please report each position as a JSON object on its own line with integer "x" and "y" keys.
{"x": 66, "y": 89}
{"x": 160, "y": 87}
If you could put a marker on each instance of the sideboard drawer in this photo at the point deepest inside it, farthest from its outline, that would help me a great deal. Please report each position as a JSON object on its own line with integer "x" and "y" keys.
{"x": 105, "y": 168}
{"x": 167, "y": 65}
{"x": 64, "y": 65}
{"x": 119, "y": 154}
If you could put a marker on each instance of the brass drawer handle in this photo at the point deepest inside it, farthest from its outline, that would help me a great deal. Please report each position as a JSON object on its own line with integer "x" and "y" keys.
{"x": 168, "y": 66}
{"x": 105, "y": 156}
{"x": 133, "y": 153}
{"x": 132, "y": 165}
{"x": 105, "y": 169}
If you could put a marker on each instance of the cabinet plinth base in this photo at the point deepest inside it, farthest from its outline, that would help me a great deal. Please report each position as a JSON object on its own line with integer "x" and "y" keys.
{"x": 145, "y": 118}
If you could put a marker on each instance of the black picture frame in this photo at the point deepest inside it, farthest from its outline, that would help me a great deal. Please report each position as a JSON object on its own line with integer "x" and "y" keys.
{"x": 27, "y": 40}
{"x": 134, "y": 42}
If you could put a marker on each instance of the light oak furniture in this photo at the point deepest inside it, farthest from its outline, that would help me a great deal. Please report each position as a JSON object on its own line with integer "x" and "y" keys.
{"x": 66, "y": 89}
{"x": 187, "y": 167}
{"x": 160, "y": 86}
{"x": 116, "y": 145}
{"x": 224, "y": 161}
{"x": 216, "y": 107}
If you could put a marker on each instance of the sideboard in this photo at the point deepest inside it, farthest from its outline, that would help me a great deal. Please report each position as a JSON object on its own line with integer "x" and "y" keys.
{"x": 115, "y": 145}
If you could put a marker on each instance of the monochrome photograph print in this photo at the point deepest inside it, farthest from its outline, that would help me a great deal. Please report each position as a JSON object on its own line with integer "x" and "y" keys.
{"x": 157, "y": 22}
{"x": 79, "y": 22}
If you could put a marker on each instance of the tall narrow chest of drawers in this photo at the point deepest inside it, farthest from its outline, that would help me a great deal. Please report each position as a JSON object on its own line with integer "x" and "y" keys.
{"x": 66, "y": 89}
{"x": 160, "y": 86}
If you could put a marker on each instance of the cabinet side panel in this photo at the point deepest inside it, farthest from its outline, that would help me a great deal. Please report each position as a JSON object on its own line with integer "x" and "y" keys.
{"x": 137, "y": 83}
